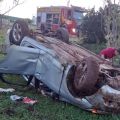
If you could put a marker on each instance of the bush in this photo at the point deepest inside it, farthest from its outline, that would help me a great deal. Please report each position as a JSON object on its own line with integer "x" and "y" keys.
{"x": 93, "y": 27}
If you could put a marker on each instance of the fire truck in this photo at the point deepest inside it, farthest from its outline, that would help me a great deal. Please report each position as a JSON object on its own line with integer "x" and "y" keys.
{"x": 55, "y": 19}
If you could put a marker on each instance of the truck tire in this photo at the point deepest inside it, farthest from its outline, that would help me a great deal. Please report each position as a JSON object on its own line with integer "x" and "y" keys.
{"x": 42, "y": 28}
{"x": 63, "y": 35}
{"x": 18, "y": 32}
{"x": 86, "y": 76}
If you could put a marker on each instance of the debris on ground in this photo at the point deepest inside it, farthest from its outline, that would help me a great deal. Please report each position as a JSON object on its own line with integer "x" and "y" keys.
{"x": 29, "y": 101}
{"x": 16, "y": 98}
{"x": 25, "y": 100}
{"x": 7, "y": 90}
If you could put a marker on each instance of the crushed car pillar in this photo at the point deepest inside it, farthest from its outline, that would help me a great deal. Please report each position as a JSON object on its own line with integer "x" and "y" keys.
{"x": 20, "y": 60}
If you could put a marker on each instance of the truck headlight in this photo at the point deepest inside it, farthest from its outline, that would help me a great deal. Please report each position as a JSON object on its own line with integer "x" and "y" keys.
{"x": 73, "y": 30}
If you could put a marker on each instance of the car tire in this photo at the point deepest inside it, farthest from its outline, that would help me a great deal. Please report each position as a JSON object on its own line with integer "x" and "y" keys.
{"x": 86, "y": 77}
{"x": 63, "y": 35}
{"x": 18, "y": 32}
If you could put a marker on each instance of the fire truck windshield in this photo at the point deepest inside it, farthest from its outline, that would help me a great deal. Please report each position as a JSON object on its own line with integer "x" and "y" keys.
{"x": 77, "y": 15}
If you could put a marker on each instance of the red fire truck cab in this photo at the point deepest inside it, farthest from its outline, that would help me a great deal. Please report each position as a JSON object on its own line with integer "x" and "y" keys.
{"x": 50, "y": 19}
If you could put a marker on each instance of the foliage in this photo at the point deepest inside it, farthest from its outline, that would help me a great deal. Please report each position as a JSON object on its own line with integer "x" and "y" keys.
{"x": 93, "y": 27}
{"x": 15, "y": 3}
{"x": 112, "y": 24}
{"x": 96, "y": 48}
{"x": 29, "y": 21}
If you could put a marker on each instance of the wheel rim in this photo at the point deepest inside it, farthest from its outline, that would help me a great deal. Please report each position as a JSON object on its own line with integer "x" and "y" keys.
{"x": 80, "y": 74}
{"x": 17, "y": 32}
{"x": 83, "y": 67}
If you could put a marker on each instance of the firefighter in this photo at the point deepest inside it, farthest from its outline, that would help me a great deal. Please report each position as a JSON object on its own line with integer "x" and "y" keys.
{"x": 109, "y": 53}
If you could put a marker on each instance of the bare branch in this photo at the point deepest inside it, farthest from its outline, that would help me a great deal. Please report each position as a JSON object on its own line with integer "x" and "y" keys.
{"x": 15, "y": 4}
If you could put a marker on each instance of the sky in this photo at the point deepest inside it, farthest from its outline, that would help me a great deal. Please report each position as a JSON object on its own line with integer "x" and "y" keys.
{"x": 29, "y": 8}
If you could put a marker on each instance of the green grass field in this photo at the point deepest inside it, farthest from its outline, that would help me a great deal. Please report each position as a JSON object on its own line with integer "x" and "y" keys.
{"x": 45, "y": 109}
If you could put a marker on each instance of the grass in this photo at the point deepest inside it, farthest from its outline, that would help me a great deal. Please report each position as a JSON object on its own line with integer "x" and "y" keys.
{"x": 96, "y": 48}
{"x": 2, "y": 38}
{"x": 45, "y": 109}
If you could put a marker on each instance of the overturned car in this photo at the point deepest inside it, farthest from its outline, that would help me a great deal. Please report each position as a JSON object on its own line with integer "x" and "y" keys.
{"x": 72, "y": 73}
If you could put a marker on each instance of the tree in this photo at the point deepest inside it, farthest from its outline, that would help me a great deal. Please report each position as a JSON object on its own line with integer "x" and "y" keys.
{"x": 112, "y": 23}
{"x": 14, "y": 3}
{"x": 93, "y": 26}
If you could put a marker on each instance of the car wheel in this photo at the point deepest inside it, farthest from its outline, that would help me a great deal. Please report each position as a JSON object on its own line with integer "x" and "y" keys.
{"x": 63, "y": 35}
{"x": 86, "y": 76}
{"x": 18, "y": 32}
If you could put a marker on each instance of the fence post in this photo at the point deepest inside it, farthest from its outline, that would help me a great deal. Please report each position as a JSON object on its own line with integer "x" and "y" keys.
{"x": 0, "y": 21}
